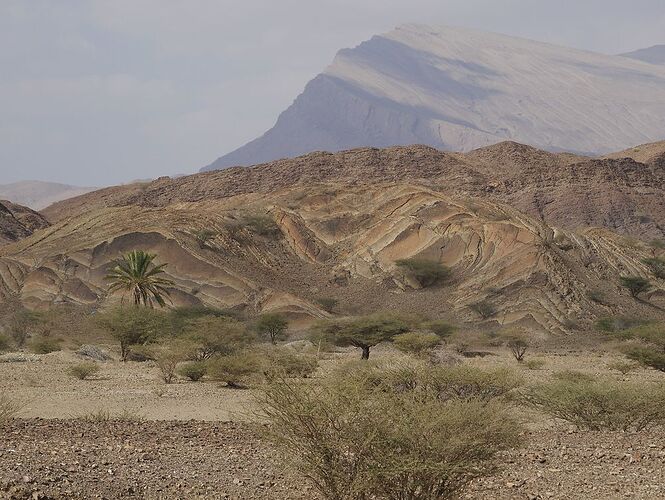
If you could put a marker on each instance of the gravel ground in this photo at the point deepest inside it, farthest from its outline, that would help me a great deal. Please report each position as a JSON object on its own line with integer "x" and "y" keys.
{"x": 57, "y": 459}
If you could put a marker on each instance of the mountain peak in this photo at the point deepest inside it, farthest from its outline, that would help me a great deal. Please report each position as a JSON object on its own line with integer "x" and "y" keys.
{"x": 458, "y": 89}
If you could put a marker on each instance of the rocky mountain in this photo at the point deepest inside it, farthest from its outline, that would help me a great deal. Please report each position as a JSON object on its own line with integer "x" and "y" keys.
{"x": 457, "y": 89}
{"x": 39, "y": 194}
{"x": 653, "y": 55}
{"x": 18, "y": 222}
{"x": 532, "y": 233}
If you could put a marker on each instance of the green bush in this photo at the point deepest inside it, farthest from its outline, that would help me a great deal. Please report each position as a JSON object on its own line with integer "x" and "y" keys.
{"x": 132, "y": 326}
{"x": 426, "y": 272}
{"x": 287, "y": 363}
{"x": 657, "y": 266}
{"x": 624, "y": 367}
{"x": 518, "y": 347}
{"x": 217, "y": 335}
{"x": 272, "y": 326}
{"x": 328, "y": 304}
{"x": 636, "y": 285}
{"x": 618, "y": 324}
{"x": 484, "y": 308}
{"x": 442, "y": 328}
{"x": 417, "y": 343}
{"x": 194, "y": 371}
{"x": 647, "y": 356}
{"x": 44, "y": 345}
{"x": 596, "y": 405}
{"x": 354, "y": 441}
{"x": 83, "y": 371}
{"x": 235, "y": 369}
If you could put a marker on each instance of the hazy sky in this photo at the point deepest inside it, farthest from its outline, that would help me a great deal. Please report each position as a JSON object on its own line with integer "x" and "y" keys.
{"x": 94, "y": 92}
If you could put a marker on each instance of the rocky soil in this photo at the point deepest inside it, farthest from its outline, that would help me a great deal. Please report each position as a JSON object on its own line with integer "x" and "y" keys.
{"x": 75, "y": 459}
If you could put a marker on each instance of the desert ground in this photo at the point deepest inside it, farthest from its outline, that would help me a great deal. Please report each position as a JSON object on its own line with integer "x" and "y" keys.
{"x": 126, "y": 434}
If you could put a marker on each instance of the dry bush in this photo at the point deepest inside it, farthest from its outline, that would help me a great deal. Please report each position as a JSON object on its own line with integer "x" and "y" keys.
{"x": 4, "y": 342}
{"x": 417, "y": 343}
{"x": 217, "y": 335}
{"x": 624, "y": 367}
{"x": 168, "y": 356}
{"x": 355, "y": 441}
{"x": 595, "y": 404}
{"x": 287, "y": 363}
{"x": 484, "y": 308}
{"x": 83, "y": 371}
{"x": 194, "y": 371}
{"x": 535, "y": 363}
{"x": 426, "y": 272}
{"x": 44, "y": 345}
{"x": 8, "y": 407}
{"x": 235, "y": 369}
{"x": 103, "y": 415}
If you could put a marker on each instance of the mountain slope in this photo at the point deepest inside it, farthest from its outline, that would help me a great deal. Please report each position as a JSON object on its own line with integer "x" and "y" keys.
{"x": 38, "y": 194}
{"x": 457, "y": 89}
{"x": 510, "y": 220}
{"x": 653, "y": 55}
{"x": 18, "y": 222}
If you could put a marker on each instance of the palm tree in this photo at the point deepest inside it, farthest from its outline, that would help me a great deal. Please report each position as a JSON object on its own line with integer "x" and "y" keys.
{"x": 136, "y": 273}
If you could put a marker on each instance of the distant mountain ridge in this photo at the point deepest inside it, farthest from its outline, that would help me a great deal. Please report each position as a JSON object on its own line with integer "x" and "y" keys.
{"x": 38, "y": 194}
{"x": 458, "y": 89}
{"x": 653, "y": 55}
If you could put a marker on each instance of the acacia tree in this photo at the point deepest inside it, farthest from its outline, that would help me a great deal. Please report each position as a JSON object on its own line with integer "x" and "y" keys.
{"x": 364, "y": 332}
{"x": 636, "y": 285}
{"x": 272, "y": 326}
{"x": 137, "y": 274}
{"x": 133, "y": 326}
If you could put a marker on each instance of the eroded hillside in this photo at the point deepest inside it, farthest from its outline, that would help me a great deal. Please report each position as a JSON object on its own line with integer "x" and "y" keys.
{"x": 529, "y": 236}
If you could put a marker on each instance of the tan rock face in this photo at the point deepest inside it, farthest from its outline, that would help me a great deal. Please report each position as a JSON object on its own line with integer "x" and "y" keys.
{"x": 344, "y": 220}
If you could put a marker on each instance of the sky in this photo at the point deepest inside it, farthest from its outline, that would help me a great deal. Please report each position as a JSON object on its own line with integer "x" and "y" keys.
{"x": 99, "y": 92}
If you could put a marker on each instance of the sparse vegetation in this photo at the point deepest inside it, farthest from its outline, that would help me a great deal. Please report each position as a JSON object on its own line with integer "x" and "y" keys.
{"x": 137, "y": 274}
{"x": 44, "y": 345}
{"x": 217, "y": 335}
{"x": 236, "y": 369}
{"x": 4, "y": 342}
{"x": 596, "y": 405}
{"x": 535, "y": 363}
{"x": 134, "y": 326}
{"x": 194, "y": 370}
{"x": 518, "y": 345}
{"x": 354, "y": 441}
{"x": 597, "y": 296}
{"x": 657, "y": 266}
{"x": 8, "y": 407}
{"x": 363, "y": 332}
{"x": 167, "y": 358}
{"x": 328, "y": 304}
{"x": 417, "y": 343}
{"x": 272, "y": 326}
{"x": 83, "y": 371}
{"x": 203, "y": 236}
{"x": 636, "y": 285}
{"x": 485, "y": 309}
{"x": 285, "y": 362}
{"x": 441, "y": 328}
{"x": 426, "y": 272}
{"x": 624, "y": 367}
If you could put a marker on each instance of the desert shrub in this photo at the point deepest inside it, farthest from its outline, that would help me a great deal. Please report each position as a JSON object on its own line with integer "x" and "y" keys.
{"x": 263, "y": 225}
{"x": 651, "y": 333}
{"x": 439, "y": 382}
{"x": 44, "y": 345}
{"x": 194, "y": 371}
{"x": 272, "y": 326}
{"x": 203, "y": 236}
{"x": 657, "y": 266}
{"x": 573, "y": 376}
{"x": 657, "y": 243}
{"x": 285, "y": 362}
{"x": 440, "y": 327}
{"x": 600, "y": 405}
{"x": 217, "y": 335}
{"x": 8, "y": 407}
{"x": 83, "y": 371}
{"x": 596, "y": 296}
{"x": 636, "y": 285}
{"x": 624, "y": 367}
{"x": 356, "y": 442}
{"x": 518, "y": 346}
{"x": 485, "y": 309}
{"x": 4, "y": 342}
{"x": 328, "y": 304}
{"x": 363, "y": 332}
{"x": 534, "y": 363}
{"x": 21, "y": 324}
{"x": 235, "y": 369}
{"x": 647, "y": 356}
{"x": 168, "y": 356}
{"x": 426, "y": 272}
{"x": 132, "y": 326}
{"x": 617, "y": 324}
{"x": 417, "y": 343}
